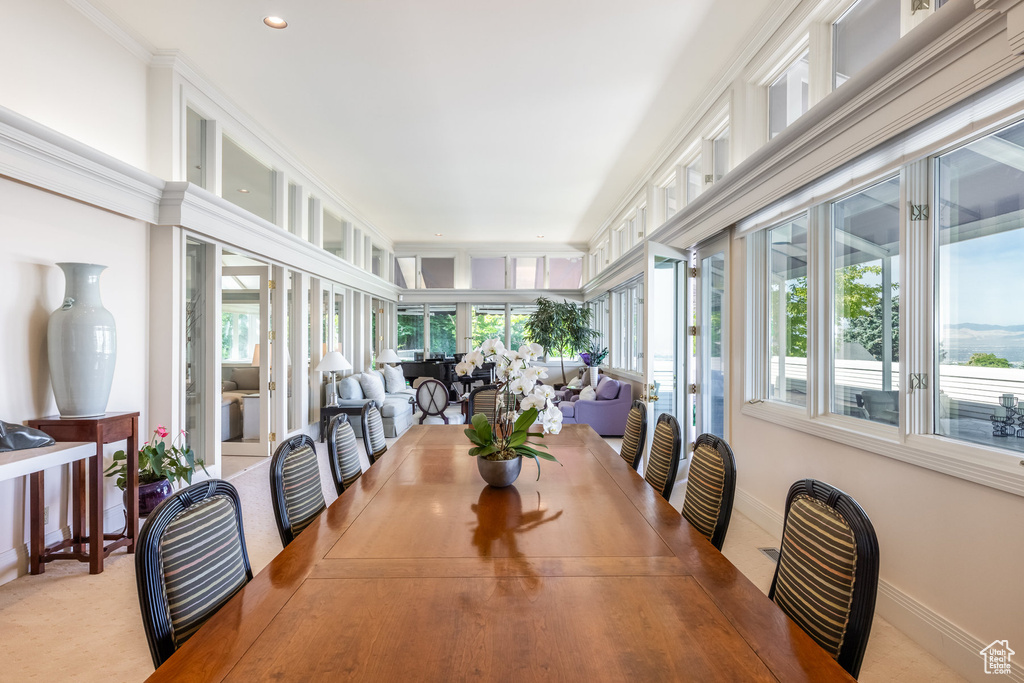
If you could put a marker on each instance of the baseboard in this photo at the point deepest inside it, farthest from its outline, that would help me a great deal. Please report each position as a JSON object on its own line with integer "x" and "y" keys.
{"x": 943, "y": 639}
{"x": 14, "y": 562}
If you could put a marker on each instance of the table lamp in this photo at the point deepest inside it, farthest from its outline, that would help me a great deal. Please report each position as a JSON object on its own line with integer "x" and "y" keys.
{"x": 389, "y": 357}
{"x": 333, "y": 362}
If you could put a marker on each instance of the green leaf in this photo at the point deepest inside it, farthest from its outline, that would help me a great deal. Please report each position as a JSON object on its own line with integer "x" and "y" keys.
{"x": 526, "y": 420}
{"x": 483, "y": 428}
{"x": 471, "y": 433}
{"x": 517, "y": 439}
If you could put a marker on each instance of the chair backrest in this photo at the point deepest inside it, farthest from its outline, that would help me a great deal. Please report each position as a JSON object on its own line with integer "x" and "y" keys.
{"x": 373, "y": 432}
{"x": 827, "y": 576}
{"x": 663, "y": 464}
{"x": 190, "y": 559}
{"x": 484, "y": 400}
{"x": 432, "y": 399}
{"x": 295, "y": 487}
{"x": 343, "y": 453}
{"x": 634, "y": 438}
{"x": 710, "y": 488}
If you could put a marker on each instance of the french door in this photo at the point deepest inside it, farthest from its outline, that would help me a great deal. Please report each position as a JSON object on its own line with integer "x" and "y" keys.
{"x": 709, "y": 371}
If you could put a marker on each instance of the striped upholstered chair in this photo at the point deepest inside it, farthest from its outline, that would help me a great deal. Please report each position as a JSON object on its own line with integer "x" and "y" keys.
{"x": 295, "y": 487}
{"x": 827, "y": 576}
{"x": 663, "y": 464}
{"x": 190, "y": 559}
{"x": 343, "y": 453}
{"x": 635, "y": 437}
{"x": 484, "y": 400}
{"x": 373, "y": 432}
{"x": 710, "y": 488}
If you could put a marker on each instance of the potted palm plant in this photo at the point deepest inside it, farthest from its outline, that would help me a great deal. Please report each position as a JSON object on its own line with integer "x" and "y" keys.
{"x": 160, "y": 464}
{"x": 562, "y": 328}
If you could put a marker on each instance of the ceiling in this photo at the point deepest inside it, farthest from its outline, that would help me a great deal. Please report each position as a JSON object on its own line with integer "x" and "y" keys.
{"x": 484, "y": 122}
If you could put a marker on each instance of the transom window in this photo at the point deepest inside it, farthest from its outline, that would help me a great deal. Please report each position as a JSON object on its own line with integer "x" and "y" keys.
{"x": 788, "y": 95}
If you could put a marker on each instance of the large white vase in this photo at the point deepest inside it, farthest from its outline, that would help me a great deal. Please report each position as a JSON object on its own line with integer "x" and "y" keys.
{"x": 82, "y": 344}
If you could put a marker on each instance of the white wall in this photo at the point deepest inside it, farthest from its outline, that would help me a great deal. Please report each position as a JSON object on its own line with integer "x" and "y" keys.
{"x": 65, "y": 73}
{"x": 39, "y": 229}
{"x": 953, "y": 546}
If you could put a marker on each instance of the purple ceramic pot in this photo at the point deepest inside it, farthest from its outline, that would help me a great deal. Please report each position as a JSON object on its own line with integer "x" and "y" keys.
{"x": 151, "y": 495}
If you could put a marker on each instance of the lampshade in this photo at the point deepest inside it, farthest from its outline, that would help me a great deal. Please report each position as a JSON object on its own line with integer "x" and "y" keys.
{"x": 388, "y": 356}
{"x": 333, "y": 362}
{"x": 256, "y": 355}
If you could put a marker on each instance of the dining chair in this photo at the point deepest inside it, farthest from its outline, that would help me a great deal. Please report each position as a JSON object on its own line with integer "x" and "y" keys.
{"x": 432, "y": 400}
{"x": 343, "y": 453}
{"x": 373, "y": 432}
{"x": 634, "y": 438}
{"x": 663, "y": 464}
{"x": 484, "y": 400}
{"x": 295, "y": 487}
{"x": 827, "y": 576}
{"x": 710, "y": 488}
{"x": 190, "y": 559}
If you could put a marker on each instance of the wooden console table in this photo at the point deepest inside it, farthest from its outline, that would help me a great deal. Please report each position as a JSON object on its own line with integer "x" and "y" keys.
{"x": 104, "y": 429}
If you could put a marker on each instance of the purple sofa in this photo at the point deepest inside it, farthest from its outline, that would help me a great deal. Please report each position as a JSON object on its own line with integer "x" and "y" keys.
{"x": 607, "y": 414}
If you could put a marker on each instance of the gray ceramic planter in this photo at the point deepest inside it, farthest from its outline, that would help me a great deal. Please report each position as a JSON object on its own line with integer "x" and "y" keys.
{"x": 499, "y": 473}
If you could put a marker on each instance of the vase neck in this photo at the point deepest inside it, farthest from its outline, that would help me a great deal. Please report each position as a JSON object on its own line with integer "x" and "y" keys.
{"x": 81, "y": 283}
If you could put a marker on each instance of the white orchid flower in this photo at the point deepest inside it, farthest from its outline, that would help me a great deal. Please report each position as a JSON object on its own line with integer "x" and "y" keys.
{"x": 492, "y": 347}
{"x": 535, "y": 373}
{"x": 546, "y": 391}
{"x": 474, "y": 358}
{"x": 462, "y": 368}
{"x": 533, "y": 401}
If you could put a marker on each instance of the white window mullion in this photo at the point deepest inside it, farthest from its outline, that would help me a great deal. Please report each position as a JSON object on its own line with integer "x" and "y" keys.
{"x": 917, "y": 305}
{"x": 820, "y": 299}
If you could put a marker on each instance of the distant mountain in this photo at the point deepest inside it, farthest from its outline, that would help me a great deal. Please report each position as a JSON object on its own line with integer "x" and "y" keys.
{"x": 979, "y": 327}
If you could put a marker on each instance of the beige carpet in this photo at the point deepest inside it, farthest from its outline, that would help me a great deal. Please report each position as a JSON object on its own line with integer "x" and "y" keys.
{"x": 69, "y": 625}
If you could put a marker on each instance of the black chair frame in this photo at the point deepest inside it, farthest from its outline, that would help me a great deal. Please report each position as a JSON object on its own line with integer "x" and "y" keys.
{"x": 728, "y": 488}
{"x": 642, "y": 406}
{"x": 284, "y": 525}
{"x": 865, "y": 581}
{"x": 332, "y": 451}
{"x": 427, "y": 413}
{"x": 364, "y": 424}
{"x": 472, "y": 397}
{"x": 152, "y": 600}
{"x": 673, "y": 468}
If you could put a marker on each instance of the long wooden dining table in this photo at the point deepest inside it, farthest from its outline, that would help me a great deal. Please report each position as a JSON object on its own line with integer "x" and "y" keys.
{"x": 420, "y": 571}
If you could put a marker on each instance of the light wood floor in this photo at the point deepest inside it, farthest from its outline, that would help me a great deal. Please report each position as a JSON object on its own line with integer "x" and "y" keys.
{"x": 52, "y": 626}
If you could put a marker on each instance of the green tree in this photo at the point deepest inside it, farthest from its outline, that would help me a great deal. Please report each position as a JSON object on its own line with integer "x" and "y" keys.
{"x": 561, "y": 328}
{"x": 866, "y": 330}
{"x": 442, "y": 333}
{"x": 988, "y": 360}
{"x": 488, "y": 326}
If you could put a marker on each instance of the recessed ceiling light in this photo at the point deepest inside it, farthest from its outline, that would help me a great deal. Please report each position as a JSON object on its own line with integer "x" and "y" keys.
{"x": 540, "y": 237}
{"x": 437, "y": 234}
{"x": 243, "y": 190}
{"x": 275, "y": 22}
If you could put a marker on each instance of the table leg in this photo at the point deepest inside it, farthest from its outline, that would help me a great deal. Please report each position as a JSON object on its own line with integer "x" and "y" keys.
{"x": 96, "y": 506}
{"x": 78, "y": 512}
{"x": 37, "y": 533}
{"x": 132, "y": 486}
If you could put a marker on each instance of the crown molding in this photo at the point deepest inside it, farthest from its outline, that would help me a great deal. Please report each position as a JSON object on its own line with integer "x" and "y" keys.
{"x": 123, "y": 34}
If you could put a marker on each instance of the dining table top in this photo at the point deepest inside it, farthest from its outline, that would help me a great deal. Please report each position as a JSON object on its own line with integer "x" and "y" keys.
{"x": 421, "y": 571}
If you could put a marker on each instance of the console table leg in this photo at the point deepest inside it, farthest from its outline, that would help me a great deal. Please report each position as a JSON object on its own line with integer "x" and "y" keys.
{"x": 78, "y": 512}
{"x": 132, "y": 486}
{"x": 96, "y": 507}
{"x": 37, "y": 532}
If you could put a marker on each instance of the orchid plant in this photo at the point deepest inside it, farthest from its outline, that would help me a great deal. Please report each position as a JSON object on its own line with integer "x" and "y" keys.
{"x": 594, "y": 357}
{"x": 521, "y": 402}
{"x": 158, "y": 460}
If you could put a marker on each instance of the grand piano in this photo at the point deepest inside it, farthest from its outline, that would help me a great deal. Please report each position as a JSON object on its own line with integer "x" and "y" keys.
{"x": 443, "y": 369}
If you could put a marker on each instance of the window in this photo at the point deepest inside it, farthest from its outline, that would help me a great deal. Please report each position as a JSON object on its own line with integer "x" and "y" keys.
{"x": 865, "y": 316}
{"x": 565, "y": 273}
{"x": 671, "y": 201}
{"x": 518, "y": 315}
{"x": 295, "y": 209}
{"x": 437, "y": 273}
{"x": 376, "y": 260}
{"x": 720, "y": 148}
{"x": 865, "y": 31}
{"x": 410, "y": 332}
{"x": 246, "y": 182}
{"x": 980, "y": 342}
{"x": 787, "y": 312}
{"x": 405, "y": 271}
{"x": 622, "y": 239}
{"x": 442, "y": 330}
{"x": 694, "y": 179}
{"x": 334, "y": 234}
{"x": 628, "y": 349}
{"x": 642, "y": 226}
{"x": 195, "y": 148}
{"x": 528, "y": 272}
{"x": 599, "y": 321}
{"x": 487, "y": 273}
{"x": 787, "y": 96}
{"x": 488, "y": 323}
{"x": 240, "y": 317}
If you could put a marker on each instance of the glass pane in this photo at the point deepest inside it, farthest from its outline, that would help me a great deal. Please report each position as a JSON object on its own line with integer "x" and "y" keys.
{"x": 311, "y": 215}
{"x": 405, "y": 271}
{"x": 437, "y": 273}
{"x": 328, "y": 315}
{"x": 565, "y": 273}
{"x": 334, "y": 234}
{"x": 195, "y": 148}
{"x": 865, "y": 31}
{"x": 442, "y": 331}
{"x": 410, "y": 332}
{"x": 671, "y": 201}
{"x": 721, "y": 152}
{"x": 487, "y": 273}
{"x": 247, "y": 182}
{"x": 694, "y": 180}
{"x": 664, "y": 340}
{"x": 637, "y": 323}
{"x": 980, "y": 354}
{"x": 488, "y": 323}
{"x": 520, "y": 313}
{"x": 787, "y": 312}
{"x": 240, "y": 319}
{"x": 196, "y": 329}
{"x": 712, "y": 365}
{"x": 528, "y": 273}
{"x": 294, "y": 209}
{"x": 339, "y": 326}
{"x": 376, "y": 260}
{"x": 623, "y": 318}
{"x": 865, "y": 317}
{"x": 294, "y": 284}
{"x": 787, "y": 96}
{"x": 311, "y": 415}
